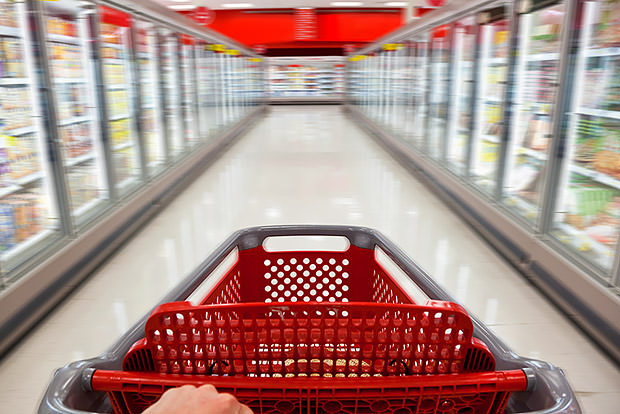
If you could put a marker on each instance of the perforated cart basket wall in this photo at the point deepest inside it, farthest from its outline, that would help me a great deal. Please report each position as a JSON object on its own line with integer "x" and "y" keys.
{"x": 290, "y": 330}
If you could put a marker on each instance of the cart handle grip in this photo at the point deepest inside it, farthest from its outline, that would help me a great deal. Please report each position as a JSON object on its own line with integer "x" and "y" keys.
{"x": 358, "y": 236}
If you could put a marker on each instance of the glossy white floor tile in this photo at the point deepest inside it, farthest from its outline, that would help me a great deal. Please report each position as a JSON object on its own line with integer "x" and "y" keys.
{"x": 304, "y": 165}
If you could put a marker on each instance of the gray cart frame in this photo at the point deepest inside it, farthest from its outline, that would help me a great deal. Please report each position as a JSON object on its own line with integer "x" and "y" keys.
{"x": 548, "y": 389}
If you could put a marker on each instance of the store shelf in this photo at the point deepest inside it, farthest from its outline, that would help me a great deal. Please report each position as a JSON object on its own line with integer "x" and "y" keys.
{"x": 118, "y": 117}
{"x": 492, "y": 99}
{"x": 72, "y": 162}
{"x": 28, "y": 179}
{"x": 9, "y": 31}
{"x": 127, "y": 182}
{"x": 490, "y": 138}
{"x": 74, "y": 120}
{"x": 532, "y": 153}
{"x": 5, "y": 191}
{"x": 113, "y": 61}
{"x": 122, "y": 146}
{"x": 609, "y": 51}
{"x": 595, "y": 176}
{"x": 112, "y": 45}
{"x": 21, "y": 131}
{"x": 69, "y": 80}
{"x": 528, "y": 210}
{"x": 63, "y": 39}
{"x": 86, "y": 207}
{"x": 26, "y": 245}
{"x": 599, "y": 113}
{"x": 14, "y": 81}
{"x": 582, "y": 241}
{"x": 498, "y": 61}
{"x": 117, "y": 87}
{"x": 543, "y": 56}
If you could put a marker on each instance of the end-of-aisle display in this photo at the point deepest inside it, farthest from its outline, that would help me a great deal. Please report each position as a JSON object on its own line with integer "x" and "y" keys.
{"x": 309, "y": 79}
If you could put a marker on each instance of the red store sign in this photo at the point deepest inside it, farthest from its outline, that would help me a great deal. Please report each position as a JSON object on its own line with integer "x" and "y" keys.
{"x": 305, "y": 24}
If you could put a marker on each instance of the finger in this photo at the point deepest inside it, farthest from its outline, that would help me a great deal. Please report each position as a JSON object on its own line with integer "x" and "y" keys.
{"x": 244, "y": 409}
{"x": 207, "y": 388}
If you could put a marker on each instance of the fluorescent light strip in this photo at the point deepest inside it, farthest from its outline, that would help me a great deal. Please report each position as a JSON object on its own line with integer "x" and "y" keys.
{"x": 182, "y": 7}
{"x": 346, "y": 3}
{"x": 396, "y": 4}
{"x": 237, "y": 5}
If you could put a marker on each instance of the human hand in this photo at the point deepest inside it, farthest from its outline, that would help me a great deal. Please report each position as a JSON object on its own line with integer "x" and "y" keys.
{"x": 191, "y": 400}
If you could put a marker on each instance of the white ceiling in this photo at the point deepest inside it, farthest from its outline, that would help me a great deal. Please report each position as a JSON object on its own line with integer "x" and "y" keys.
{"x": 265, "y": 4}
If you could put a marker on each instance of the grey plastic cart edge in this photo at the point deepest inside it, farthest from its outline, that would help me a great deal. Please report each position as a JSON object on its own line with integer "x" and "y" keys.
{"x": 550, "y": 393}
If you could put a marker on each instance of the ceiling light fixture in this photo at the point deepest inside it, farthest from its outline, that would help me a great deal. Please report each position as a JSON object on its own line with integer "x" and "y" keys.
{"x": 346, "y": 3}
{"x": 396, "y": 4}
{"x": 182, "y": 7}
{"x": 179, "y": 1}
{"x": 237, "y": 5}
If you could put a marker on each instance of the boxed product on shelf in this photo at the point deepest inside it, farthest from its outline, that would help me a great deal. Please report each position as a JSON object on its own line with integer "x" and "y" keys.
{"x": 8, "y": 14}
{"x": 110, "y": 33}
{"x": 114, "y": 73}
{"x": 76, "y": 139}
{"x": 62, "y": 27}
{"x": 66, "y": 60}
{"x": 500, "y": 43}
{"x": 595, "y": 210}
{"x": 545, "y": 38}
{"x": 119, "y": 131}
{"x": 15, "y": 109}
{"x": 611, "y": 99}
{"x": 20, "y": 218}
{"x": 118, "y": 104}
{"x": 11, "y": 58}
{"x": 607, "y": 32}
{"x": 82, "y": 184}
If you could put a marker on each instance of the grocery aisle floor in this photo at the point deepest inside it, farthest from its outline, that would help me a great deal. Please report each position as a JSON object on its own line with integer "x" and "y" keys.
{"x": 304, "y": 165}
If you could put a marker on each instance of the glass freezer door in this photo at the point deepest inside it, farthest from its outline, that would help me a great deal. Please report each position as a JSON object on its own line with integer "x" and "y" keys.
{"x": 169, "y": 44}
{"x": 460, "y": 126}
{"x": 29, "y": 217}
{"x": 439, "y": 77}
{"x": 489, "y": 105}
{"x": 534, "y": 94}
{"x": 150, "y": 97}
{"x": 115, "y": 37}
{"x": 190, "y": 134}
{"x": 69, "y": 41}
{"x": 417, "y": 125}
{"x": 587, "y": 217}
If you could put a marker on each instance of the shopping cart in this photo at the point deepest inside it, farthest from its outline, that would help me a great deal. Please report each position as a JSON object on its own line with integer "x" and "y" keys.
{"x": 356, "y": 329}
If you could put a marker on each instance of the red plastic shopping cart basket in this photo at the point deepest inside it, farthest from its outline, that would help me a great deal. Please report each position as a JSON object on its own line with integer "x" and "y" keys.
{"x": 313, "y": 331}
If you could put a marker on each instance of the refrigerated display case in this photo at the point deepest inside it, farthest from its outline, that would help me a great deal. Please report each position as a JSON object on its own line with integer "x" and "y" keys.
{"x": 439, "y": 85}
{"x": 150, "y": 96}
{"x": 489, "y": 105}
{"x": 587, "y": 213}
{"x": 115, "y": 46}
{"x": 532, "y": 145}
{"x": 29, "y": 216}
{"x": 461, "y": 97}
{"x": 82, "y": 140}
{"x": 535, "y": 88}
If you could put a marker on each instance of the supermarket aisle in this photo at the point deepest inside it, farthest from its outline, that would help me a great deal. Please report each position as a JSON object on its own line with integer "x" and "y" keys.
{"x": 304, "y": 165}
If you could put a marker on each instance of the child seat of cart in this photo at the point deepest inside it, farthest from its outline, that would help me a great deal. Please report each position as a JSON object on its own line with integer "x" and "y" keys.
{"x": 314, "y": 331}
